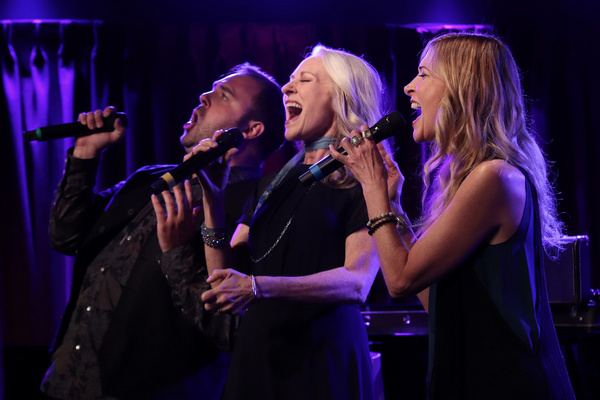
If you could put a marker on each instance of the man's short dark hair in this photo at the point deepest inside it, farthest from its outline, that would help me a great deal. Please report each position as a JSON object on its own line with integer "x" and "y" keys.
{"x": 267, "y": 107}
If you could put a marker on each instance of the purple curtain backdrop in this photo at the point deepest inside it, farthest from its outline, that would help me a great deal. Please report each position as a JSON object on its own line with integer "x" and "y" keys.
{"x": 53, "y": 70}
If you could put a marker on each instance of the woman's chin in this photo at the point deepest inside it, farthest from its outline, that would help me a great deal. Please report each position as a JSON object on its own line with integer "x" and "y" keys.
{"x": 421, "y": 137}
{"x": 418, "y": 136}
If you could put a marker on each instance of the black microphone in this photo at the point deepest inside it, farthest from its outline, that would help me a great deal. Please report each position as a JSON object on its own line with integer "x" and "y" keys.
{"x": 383, "y": 129}
{"x": 228, "y": 140}
{"x": 73, "y": 129}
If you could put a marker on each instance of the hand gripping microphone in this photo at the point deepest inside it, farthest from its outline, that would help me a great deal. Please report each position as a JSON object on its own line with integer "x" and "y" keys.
{"x": 73, "y": 129}
{"x": 383, "y": 129}
{"x": 228, "y": 140}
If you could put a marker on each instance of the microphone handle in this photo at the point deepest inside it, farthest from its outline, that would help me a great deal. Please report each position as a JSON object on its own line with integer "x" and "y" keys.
{"x": 383, "y": 129}
{"x": 322, "y": 168}
{"x": 73, "y": 129}
{"x": 228, "y": 140}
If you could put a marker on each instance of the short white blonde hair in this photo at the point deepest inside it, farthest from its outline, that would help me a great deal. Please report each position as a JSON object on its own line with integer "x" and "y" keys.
{"x": 357, "y": 98}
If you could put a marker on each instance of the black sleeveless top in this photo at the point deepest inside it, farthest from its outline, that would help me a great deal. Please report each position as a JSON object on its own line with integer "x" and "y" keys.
{"x": 491, "y": 330}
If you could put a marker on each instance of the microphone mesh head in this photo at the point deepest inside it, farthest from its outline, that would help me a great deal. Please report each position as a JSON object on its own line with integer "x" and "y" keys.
{"x": 388, "y": 126}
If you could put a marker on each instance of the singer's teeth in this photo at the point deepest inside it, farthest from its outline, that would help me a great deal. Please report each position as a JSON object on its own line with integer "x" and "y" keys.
{"x": 294, "y": 109}
{"x": 415, "y": 106}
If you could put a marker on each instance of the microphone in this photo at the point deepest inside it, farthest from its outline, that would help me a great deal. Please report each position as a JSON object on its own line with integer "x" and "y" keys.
{"x": 228, "y": 140}
{"x": 73, "y": 129}
{"x": 383, "y": 129}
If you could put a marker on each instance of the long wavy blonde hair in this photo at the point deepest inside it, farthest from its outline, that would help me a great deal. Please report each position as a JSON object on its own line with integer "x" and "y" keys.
{"x": 358, "y": 98}
{"x": 481, "y": 117}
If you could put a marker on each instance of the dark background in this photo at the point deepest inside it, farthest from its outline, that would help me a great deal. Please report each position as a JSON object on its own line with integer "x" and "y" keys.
{"x": 152, "y": 59}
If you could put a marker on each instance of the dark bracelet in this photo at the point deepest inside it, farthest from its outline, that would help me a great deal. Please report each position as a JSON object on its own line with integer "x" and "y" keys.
{"x": 380, "y": 223}
{"x": 214, "y": 242}
{"x": 213, "y": 231}
{"x": 213, "y": 237}
{"x": 379, "y": 218}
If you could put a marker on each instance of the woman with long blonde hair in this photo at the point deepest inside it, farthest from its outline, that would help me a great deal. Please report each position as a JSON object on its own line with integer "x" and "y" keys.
{"x": 474, "y": 257}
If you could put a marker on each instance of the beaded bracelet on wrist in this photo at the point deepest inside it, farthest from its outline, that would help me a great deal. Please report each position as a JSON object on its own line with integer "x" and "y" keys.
{"x": 380, "y": 217}
{"x": 213, "y": 237}
{"x": 380, "y": 223}
{"x": 213, "y": 231}
{"x": 375, "y": 223}
{"x": 214, "y": 242}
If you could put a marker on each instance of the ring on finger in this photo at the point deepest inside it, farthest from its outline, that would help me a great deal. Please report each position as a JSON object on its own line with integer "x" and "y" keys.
{"x": 355, "y": 140}
{"x": 367, "y": 134}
